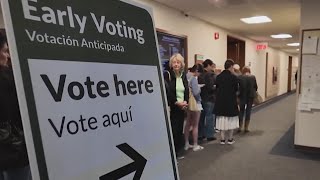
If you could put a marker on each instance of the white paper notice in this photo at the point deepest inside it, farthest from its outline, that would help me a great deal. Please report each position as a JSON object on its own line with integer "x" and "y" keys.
{"x": 304, "y": 107}
{"x": 310, "y": 81}
{"x": 310, "y": 45}
{"x": 315, "y": 86}
{"x": 306, "y": 95}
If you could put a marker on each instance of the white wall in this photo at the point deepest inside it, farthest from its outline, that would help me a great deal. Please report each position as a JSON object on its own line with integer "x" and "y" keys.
{"x": 307, "y": 131}
{"x": 201, "y": 41}
{"x": 283, "y": 73}
{"x": 274, "y": 61}
{"x": 200, "y": 34}
{"x": 258, "y": 68}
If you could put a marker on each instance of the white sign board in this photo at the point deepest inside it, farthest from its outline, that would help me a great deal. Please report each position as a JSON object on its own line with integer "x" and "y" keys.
{"x": 80, "y": 136}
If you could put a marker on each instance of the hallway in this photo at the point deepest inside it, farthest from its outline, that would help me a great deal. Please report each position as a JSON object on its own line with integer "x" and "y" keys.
{"x": 263, "y": 154}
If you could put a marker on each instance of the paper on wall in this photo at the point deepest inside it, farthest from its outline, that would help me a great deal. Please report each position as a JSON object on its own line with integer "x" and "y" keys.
{"x": 306, "y": 95}
{"x": 310, "y": 81}
{"x": 310, "y": 45}
{"x": 304, "y": 107}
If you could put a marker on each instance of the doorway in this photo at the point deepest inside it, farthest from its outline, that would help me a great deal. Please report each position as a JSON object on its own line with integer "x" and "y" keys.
{"x": 289, "y": 73}
{"x": 236, "y": 50}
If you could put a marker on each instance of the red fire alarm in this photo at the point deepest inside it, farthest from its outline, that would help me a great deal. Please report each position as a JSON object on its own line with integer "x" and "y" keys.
{"x": 216, "y": 35}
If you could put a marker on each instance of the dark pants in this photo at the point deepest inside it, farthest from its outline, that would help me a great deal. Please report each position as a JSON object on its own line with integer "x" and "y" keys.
{"x": 177, "y": 119}
{"x": 207, "y": 121}
{"x": 16, "y": 174}
{"x": 245, "y": 109}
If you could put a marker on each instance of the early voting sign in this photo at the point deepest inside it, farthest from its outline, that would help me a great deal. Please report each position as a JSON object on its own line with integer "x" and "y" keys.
{"x": 90, "y": 89}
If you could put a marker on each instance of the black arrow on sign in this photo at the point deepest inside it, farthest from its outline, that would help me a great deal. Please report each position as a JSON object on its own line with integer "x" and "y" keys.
{"x": 138, "y": 164}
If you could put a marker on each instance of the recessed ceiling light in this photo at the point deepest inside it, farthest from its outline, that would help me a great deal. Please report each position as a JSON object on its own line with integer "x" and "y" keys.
{"x": 256, "y": 20}
{"x": 293, "y": 44}
{"x": 281, "y": 36}
{"x": 298, "y": 49}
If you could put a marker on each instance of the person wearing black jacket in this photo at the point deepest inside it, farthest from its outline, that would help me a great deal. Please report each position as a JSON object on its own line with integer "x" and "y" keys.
{"x": 178, "y": 97}
{"x": 226, "y": 108}
{"x": 208, "y": 96}
{"x": 14, "y": 163}
{"x": 248, "y": 90}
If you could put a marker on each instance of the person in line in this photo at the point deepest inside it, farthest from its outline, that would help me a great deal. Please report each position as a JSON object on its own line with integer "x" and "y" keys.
{"x": 207, "y": 118}
{"x": 14, "y": 164}
{"x": 237, "y": 70}
{"x": 248, "y": 90}
{"x": 226, "y": 107}
{"x": 178, "y": 99}
{"x": 193, "y": 116}
{"x": 296, "y": 77}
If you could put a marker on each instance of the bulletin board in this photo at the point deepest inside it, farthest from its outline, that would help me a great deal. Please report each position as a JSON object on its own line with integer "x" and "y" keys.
{"x": 170, "y": 43}
{"x": 198, "y": 58}
{"x": 309, "y": 75}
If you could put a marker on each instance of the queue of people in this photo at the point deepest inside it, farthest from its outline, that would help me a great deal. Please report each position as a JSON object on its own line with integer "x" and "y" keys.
{"x": 203, "y": 102}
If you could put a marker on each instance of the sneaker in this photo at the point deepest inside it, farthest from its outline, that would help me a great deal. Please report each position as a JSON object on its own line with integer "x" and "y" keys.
{"x": 231, "y": 141}
{"x": 222, "y": 141}
{"x": 197, "y": 148}
{"x": 180, "y": 157}
{"x": 187, "y": 146}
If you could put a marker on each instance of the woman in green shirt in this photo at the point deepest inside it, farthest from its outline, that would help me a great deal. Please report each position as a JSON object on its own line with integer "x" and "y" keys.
{"x": 178, "y": 97}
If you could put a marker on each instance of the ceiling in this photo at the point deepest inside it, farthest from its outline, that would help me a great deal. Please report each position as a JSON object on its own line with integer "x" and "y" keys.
{"x": 285, "y": 15}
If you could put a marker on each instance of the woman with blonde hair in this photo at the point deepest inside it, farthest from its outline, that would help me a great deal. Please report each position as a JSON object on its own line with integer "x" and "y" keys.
{"x": 248, "y": 88}
{"x": 178, "y": 96}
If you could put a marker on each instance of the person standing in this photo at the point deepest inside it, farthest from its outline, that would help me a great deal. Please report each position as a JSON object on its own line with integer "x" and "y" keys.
{"x": 178, "y": 96}
{"x": 226, "y": 107}
{"x": 193, "y": 116}
{"x": 237, "y": 70}
{"x": 208, "y": 96}
{"x": 14, "y": 164}
{"x": 248, "y": 90}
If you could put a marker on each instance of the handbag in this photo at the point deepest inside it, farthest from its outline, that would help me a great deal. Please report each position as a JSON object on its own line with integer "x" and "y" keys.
{"x": 257, "y": 99}
{"x": 192, "y": 104}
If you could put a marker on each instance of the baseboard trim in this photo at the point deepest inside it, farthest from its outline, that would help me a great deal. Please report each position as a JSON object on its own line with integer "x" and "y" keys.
{"x": 271, "y": 101}
{"x": 307, "y": 149}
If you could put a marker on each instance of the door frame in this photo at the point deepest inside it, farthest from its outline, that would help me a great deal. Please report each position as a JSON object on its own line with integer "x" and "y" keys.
{"x": 289, "y": 73}
{"x": 266, "y": 75}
